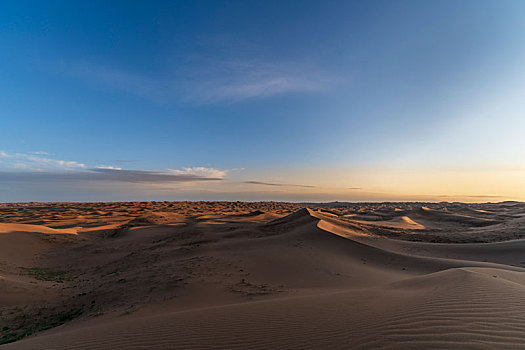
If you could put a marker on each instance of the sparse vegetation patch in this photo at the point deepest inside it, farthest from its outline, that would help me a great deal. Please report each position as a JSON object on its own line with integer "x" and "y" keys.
{"x": 45, "y": 274}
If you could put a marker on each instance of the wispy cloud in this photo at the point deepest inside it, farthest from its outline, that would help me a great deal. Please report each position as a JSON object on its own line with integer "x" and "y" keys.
{"x": 469, "y": 196}
{"x": 237, "y": 80}
{"x": 276, "y": 184}
{"x": 200, "y": 171}
{"x": 36, "y": 162}
{"x": 110, "y": 167}
{"x": 103, "y": 174}
{"x": 150, "y": 176}
{"x": 30, "y": 167}
{"x": 208, "y": 80}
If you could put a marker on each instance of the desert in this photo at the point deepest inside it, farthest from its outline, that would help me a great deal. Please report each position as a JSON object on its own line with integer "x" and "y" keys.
{"x": 237, "y": 275}
{"x": 243, "y": 174}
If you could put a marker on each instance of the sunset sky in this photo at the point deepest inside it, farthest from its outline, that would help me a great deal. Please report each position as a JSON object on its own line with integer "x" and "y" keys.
{"x": 262, "y": 100}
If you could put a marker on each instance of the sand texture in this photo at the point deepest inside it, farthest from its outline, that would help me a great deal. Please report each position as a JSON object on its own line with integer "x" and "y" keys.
{"x": 234, "y": 275}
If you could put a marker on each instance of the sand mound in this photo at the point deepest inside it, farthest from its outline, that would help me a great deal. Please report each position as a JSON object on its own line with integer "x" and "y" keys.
{"x": 460, "y": 277}
{"x": 8, "y": 228}
{"x": 400, "y": 222}
{"x": 446, "y": 216}
{"x": 406, "y": 222}
{"x": 296, "y": 219}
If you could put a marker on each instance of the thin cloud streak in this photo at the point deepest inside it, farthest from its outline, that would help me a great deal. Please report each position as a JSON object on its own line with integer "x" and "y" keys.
{"x": 469, "y": 196}
{"x": 200, "y": 171}
{"x": 103, "y": 174}
{"x": 21, "y": 166}
{"x": 108, "y": 167}
{"x": 208, "y": 80}
{"x": 36, "y": 162}
{"x": 277, "y": 184}
{"x": 237, "y": 80}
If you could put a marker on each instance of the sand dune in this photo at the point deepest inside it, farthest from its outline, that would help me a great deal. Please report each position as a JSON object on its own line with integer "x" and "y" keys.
{"x": 262, "y": 275}
{"x": 453, "y": 217}
{"x": 401, "y": 222}
{"x": 7, "y": 228}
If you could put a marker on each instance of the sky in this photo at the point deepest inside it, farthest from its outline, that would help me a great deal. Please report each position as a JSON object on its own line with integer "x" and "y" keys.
{"x": 262, "y": 100}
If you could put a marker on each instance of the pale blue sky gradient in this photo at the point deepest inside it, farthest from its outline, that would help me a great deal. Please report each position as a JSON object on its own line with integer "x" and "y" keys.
{"x": 328, "y": 94}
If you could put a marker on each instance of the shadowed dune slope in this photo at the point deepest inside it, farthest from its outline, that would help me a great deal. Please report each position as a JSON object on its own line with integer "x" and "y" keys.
{"x": 427, "y": 312}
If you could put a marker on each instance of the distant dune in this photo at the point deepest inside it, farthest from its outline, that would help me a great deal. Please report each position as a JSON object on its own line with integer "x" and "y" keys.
{"x": 234, "y": 275}
{"x": 7, "y": 228}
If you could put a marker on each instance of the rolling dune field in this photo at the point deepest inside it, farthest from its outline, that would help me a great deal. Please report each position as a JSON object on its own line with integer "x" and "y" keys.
{"x": 234, "y": 275}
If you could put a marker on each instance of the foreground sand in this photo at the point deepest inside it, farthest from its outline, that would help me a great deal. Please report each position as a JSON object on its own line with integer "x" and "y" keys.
{"x": 262, "y": 275}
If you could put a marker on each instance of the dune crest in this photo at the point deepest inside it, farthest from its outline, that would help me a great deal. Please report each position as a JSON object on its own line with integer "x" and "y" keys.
{"x": 9, "y": 228}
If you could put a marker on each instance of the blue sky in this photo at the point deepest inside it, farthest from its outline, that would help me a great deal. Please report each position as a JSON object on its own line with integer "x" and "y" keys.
{"x": 261, "y": 100}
